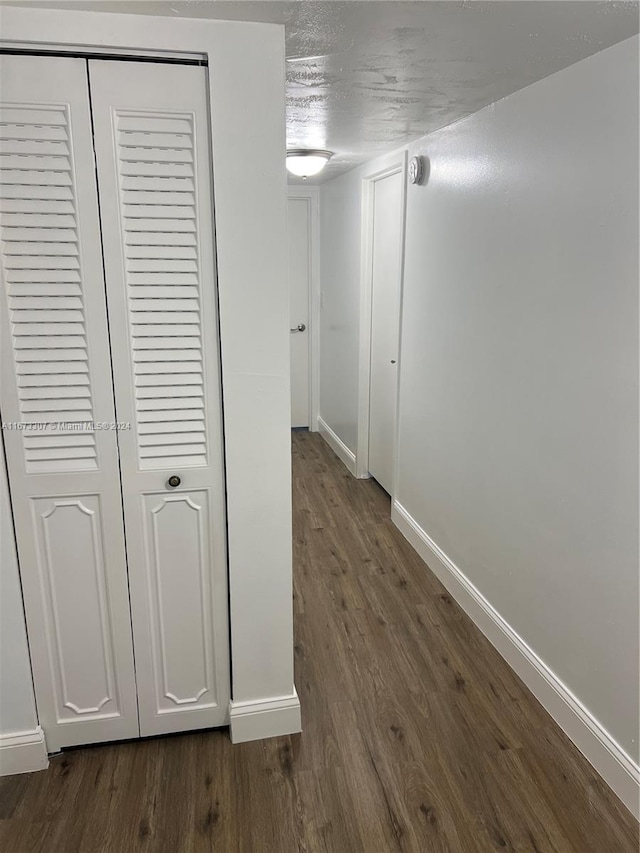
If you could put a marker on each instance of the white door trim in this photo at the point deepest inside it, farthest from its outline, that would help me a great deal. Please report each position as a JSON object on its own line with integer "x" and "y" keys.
{"x": 384, "y": 167}
{"x": 312, "y": 196}
{"x": 255, "y": 359}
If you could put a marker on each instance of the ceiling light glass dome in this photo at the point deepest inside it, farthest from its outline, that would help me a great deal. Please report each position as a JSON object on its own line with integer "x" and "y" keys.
{"x": 305, "y": 162}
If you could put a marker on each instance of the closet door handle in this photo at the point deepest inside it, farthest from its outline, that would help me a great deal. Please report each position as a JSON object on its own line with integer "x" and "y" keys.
{"x": 299, "y": 328}
{"x": 173, "y": 481}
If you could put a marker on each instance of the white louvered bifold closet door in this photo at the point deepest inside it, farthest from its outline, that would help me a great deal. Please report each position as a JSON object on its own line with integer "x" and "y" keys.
{"x": 153, "y": 159}
{"x": 57, "y": 383}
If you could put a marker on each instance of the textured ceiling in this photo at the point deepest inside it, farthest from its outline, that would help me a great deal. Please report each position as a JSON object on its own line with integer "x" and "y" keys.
{"x": 365, "y": 77}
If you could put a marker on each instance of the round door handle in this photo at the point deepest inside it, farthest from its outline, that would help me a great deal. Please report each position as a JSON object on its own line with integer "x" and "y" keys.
{"x": 393, "y": 361}
{"x": 174, "y": 481}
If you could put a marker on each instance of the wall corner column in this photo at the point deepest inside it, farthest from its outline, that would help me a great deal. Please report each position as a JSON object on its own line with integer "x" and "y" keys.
{"x": 250, "y": 187}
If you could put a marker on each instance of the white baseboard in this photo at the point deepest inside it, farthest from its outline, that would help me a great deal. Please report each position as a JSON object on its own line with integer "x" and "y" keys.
{"x": 608, "y": 758}
{"x": 23, "y": 752}
{"x": 265, "y": 718}
{"x": 338, "y": 446}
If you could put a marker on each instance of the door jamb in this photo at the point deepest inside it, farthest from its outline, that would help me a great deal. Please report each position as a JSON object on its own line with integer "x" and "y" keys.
{"x": 382, "y": 168}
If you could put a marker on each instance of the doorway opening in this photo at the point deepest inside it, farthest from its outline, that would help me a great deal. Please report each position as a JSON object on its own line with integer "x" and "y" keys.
{"x": 304, "y": 300}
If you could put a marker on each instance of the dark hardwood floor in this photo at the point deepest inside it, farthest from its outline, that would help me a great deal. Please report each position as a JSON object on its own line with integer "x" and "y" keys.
{"x": 417, "y": 736}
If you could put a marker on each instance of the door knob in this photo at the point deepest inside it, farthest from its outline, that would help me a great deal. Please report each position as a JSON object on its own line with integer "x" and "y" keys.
{"x": 173, "y": 481}
{"x": 299, "y": 328}
{"x": 393, "y": 361}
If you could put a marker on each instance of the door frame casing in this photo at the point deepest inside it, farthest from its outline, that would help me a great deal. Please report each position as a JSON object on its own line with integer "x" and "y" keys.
{"x": 253, "y": 305}
{"x": 384, "y": 167}
{"x": 312, "y": 196}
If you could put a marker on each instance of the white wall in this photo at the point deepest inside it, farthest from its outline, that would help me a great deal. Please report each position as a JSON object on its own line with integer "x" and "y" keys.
{"x": 518, "y": 446}
{"x": 518, "y": 435}
{"x": 340, "y": 304}
{"x": 17, "y": 704}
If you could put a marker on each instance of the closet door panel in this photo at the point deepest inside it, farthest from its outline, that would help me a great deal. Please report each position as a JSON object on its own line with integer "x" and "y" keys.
{"x": 70, "y": 535}
{"x": 57, "y": 385}
{"x": 152, "y": 149}
{"x": 176, "y": 535}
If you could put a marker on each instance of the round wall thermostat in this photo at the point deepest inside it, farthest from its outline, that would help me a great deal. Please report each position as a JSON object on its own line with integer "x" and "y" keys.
{"x": 416, "y": 170}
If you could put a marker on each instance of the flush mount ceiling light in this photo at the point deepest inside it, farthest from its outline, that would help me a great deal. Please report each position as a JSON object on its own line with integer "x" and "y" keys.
{"x": 305, "y": 162}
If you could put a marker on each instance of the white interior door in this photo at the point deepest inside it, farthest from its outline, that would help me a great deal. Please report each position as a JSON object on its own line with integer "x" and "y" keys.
{"x": 56, "y": 381}
{"x": 385, "y": 326}
{"x": 153, "y": 161}
{"x": 299, "y": 243}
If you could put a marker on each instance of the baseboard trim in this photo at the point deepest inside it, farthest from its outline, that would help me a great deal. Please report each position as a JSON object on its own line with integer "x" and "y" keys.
{"x": 265, "y": 718}
{"x": 607, "y": 757}
{"x": 338, "y": 446}
{"x": 23, "y": 752}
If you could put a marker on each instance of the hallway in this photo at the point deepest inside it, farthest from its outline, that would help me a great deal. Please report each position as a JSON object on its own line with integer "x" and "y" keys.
{"x": 428, "y": 739}
{"x": 417, "y": 736}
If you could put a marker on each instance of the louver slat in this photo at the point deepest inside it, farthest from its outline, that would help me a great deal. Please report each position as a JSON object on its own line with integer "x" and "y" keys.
{"x": 42, "y": 316}
{"x": 55, "y": 367}
{"x": 169, "y": 296}
{"x": 153, "y": 124}
{"x": 48, "y": 380}
{"x": 146, "y": 252}
{"x": 34, "y": 205}
{"x": 141, "y": 197}
{"x": 157, "y": 184}
{"x": 48, "y": 262}
{"x": 31, "y": 302}
{"x": 156, "y": 140}
{"x": 158, "y": 404}
{"x": 24, "y": 175}
{"x": 159, "y": 224}
{"x": 38, "y": 192}
{"x": 36, "y": 163}
{"x": 164, "y": 343}
{"x": 168, "y": 425}
{"x": 33, "y": 249}
{"x": 35, "y": 219}
{"x": 166, "y": 380}
{"x": 49, "y": 276}
{"x": 185, "y": 365}
{"x": 160, "y": 210}
{"x": 44, "y": 337}
{"x": 165, "y": 277}
{"x": 152, "y": 169}
{"x": 164, "y": 239}
{"x": 36, "y": 356}
{"x": 40, "y": 259}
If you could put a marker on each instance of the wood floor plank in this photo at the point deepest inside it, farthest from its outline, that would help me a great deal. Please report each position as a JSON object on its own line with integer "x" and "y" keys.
{"x": 418, "y": 737}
